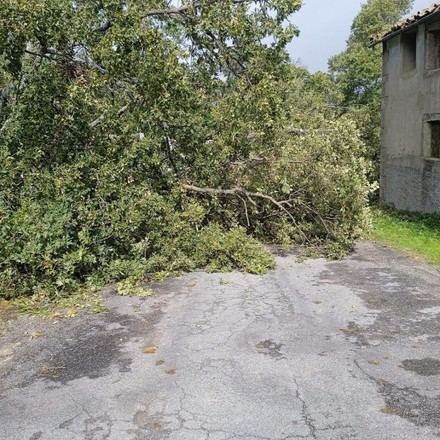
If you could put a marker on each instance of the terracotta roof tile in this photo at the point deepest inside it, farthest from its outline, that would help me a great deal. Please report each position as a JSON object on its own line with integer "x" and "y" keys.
{"x": 406, "y": 23}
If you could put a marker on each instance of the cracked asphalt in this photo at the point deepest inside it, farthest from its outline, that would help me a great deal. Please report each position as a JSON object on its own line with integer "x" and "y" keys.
{"x": 315, "y": 350}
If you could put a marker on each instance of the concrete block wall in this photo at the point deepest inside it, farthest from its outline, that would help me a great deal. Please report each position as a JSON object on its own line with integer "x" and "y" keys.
{"x": 410, "y": 179}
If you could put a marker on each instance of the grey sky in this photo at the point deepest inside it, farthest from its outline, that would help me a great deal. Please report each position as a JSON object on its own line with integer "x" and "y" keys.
{"x": 325, "y": 26}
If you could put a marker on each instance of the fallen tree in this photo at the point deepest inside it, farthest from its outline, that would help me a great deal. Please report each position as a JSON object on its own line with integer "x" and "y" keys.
{"x": 142, "y": 138}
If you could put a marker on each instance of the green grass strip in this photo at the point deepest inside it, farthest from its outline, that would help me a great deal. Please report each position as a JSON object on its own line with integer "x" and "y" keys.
{"x": 418, "y": 234}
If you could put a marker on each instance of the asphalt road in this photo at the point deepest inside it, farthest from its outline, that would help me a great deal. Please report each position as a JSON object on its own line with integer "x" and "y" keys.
{"x": 314, "y": 350}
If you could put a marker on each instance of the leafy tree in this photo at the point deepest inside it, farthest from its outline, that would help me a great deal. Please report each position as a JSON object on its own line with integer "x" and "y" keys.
{"x": 358, "y": 70}
{"x": 138, "y": 137}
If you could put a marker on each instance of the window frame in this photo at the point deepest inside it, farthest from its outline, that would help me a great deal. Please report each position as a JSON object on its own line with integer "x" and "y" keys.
{"x": 432, "y": 36}
{"x": 408, "y": 52}
{"x": 429, "y": 121}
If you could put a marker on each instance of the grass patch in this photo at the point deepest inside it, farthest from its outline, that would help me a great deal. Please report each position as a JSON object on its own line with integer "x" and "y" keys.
{"x": 418, "y": 234}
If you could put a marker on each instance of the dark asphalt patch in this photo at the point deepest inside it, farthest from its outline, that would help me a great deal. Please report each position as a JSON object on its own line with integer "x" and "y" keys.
{"x": 270, "y": 348}
{"x": 91, "y": 353}
{"x": 407, "y": 403}
{"x": 422, "y": 367}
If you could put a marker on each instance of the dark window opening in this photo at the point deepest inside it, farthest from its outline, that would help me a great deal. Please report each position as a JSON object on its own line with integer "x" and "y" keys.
{"x": 435, "y": 139}
{"x": 409, "y": 51}
{"x": 433, "y": 50}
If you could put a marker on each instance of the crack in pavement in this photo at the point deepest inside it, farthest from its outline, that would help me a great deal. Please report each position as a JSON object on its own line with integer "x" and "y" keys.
{"x": 308, "y": 420}
{"x": 315, "y": 350}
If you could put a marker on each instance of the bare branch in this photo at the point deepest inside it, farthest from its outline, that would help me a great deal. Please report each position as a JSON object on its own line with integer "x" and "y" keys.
{"x": 238, "y": 192}
{"x": 245, "y": 210}
{"x": 318, "y": 215}
{"x": 169, "y": 148}
{"x": 104, "y": 27}
{"x": 304, "y": 131}
{"x": 39, "y": 55}
{"x": 264, "y": 161}
{"x": 100, "y": 118}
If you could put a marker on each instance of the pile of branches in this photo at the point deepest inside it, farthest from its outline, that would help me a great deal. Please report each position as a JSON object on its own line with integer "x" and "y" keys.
{"x": 142, "y": 138}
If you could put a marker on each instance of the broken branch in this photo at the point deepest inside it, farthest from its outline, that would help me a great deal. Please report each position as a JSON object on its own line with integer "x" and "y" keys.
{"x": 239, "y": 192}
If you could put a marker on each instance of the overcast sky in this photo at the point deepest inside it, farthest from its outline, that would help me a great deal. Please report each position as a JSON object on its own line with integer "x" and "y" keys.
{"x": 325, "y": 26}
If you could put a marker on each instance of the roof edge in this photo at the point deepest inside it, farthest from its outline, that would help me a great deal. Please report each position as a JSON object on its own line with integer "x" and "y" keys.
{"x": 404, "y": 25}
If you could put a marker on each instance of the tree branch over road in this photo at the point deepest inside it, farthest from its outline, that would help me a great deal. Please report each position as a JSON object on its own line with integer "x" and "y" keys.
{"x": 239, "y": 192}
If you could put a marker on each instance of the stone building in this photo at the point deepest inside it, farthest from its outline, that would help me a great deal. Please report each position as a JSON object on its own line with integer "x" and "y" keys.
{"x": 410, "y": 157}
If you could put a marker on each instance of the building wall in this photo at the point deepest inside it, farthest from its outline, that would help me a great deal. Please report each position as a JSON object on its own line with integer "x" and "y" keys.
{"x": 410, "y": 179}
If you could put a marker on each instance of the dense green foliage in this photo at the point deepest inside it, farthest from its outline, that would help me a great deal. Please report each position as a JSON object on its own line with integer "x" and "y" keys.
{"x": 358, "y": 70}
{"x": 418, "y": 234}
{"x": 135, "y": 138}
